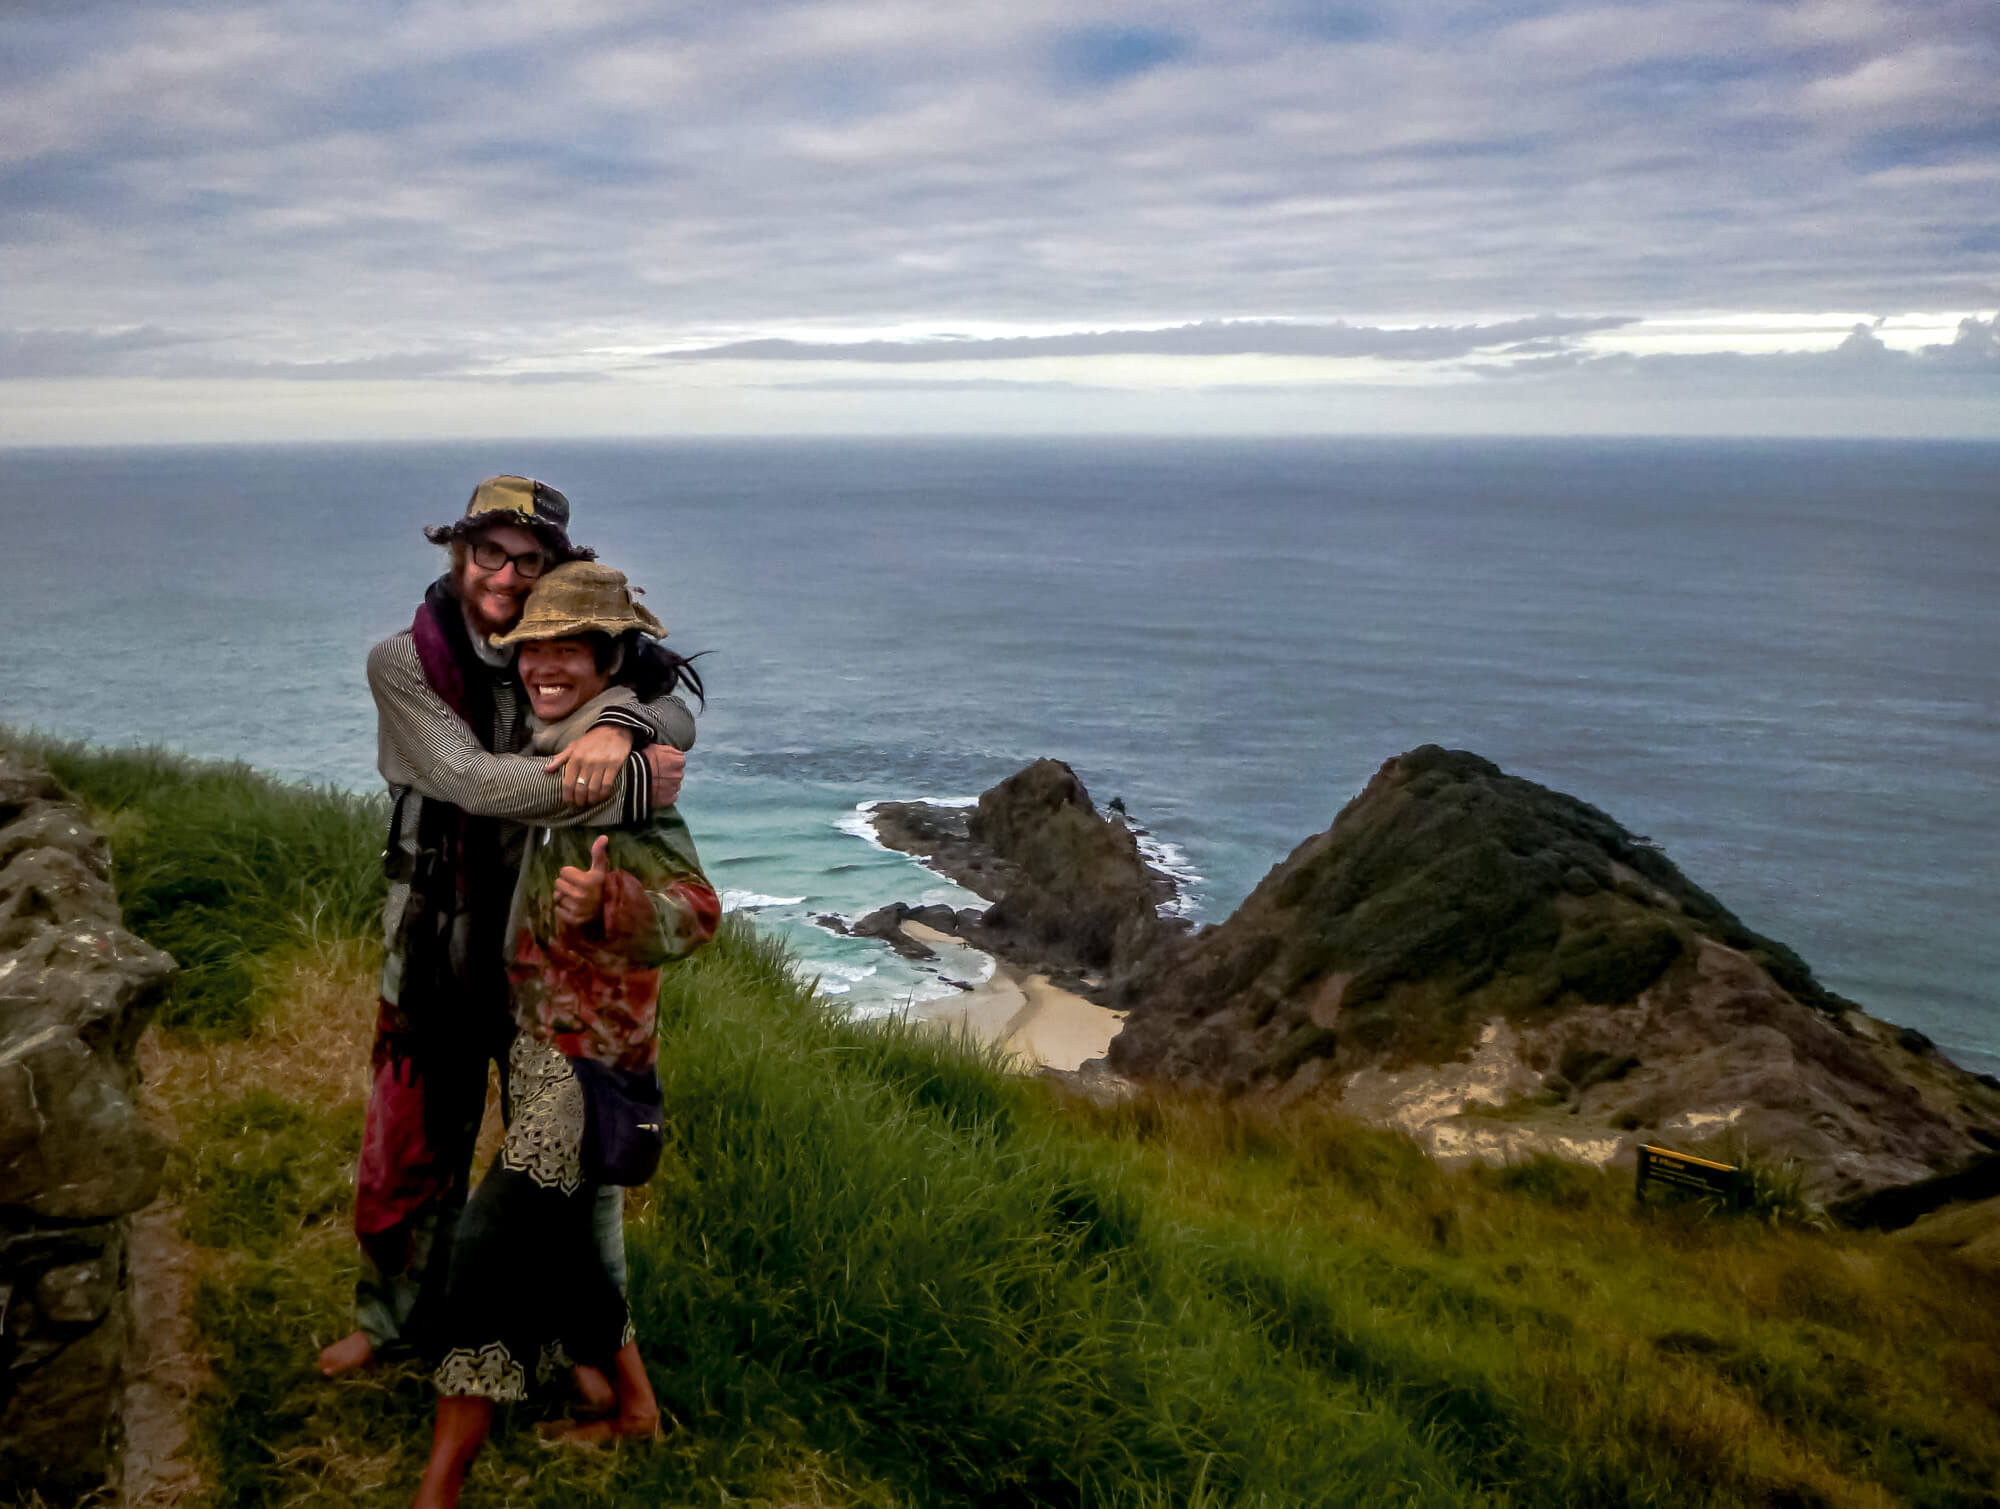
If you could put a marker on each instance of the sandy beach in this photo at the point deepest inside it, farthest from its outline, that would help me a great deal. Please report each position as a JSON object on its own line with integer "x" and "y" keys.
{"x": 1039, "y": 1023}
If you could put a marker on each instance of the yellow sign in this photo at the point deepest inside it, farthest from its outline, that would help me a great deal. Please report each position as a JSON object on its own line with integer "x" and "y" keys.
{"x": 1659, "y": 1165}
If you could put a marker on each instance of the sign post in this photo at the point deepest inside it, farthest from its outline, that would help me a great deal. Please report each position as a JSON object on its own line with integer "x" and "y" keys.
{"x": 1689, "y": 1174}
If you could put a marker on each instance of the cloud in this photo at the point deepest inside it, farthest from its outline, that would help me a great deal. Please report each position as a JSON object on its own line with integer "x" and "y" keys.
{"x": 146, "y": 351}
{"x": 459, "y": 191}
{"x": 1206, "y": 338}
{"x": 398, "y": 365}
{"x": 78, "y": 353}
{"x": 1331, "y": 21}
{"x": 1975, "y": 348}
{"x": 1861, "y": 364}
{"x": 932, "y": 385}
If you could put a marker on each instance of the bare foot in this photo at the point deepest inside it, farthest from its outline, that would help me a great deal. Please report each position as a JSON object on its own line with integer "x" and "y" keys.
{"x": 345, "y": 1355}
{"x": 594, "y": 1394}
{"x": 620, "y": 1427}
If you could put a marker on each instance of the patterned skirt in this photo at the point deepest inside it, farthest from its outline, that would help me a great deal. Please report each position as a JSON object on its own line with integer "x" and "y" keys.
{"x": 529, "y": 1292}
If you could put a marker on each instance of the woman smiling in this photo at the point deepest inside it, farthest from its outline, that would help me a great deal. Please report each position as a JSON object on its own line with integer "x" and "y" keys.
{"x": 596, "y": 913}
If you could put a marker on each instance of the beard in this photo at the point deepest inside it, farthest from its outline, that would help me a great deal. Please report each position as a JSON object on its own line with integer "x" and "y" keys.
{"x": 482, "y": 606}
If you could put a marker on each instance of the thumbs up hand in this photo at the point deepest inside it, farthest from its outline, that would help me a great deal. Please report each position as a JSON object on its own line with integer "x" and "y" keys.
{"x": 580, "y": 893}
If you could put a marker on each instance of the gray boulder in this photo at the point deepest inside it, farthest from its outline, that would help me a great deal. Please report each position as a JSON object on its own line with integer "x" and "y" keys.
{"x": 76, "y": 1158}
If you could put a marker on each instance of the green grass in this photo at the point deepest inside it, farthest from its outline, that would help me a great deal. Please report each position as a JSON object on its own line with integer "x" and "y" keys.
{"x": 224, "y": 868}
{"x": 875, "y": 1269}
{"x": 261, "y": 1170}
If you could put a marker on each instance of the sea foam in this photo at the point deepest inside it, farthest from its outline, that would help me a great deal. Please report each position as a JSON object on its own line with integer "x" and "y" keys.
{"x": 835, "y": 978}
{"x": 1172, "y": 861}
{"x": 754, "y": 901}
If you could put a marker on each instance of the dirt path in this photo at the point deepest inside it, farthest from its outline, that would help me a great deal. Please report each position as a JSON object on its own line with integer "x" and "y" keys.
{"x": 165, "y": 1367}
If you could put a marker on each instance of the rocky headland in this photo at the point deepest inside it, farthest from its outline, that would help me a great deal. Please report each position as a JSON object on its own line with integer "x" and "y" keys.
{"x": 1494, "y": 967}
{"x": 1071, "y": 895}
{"x": 76, "y": 1159}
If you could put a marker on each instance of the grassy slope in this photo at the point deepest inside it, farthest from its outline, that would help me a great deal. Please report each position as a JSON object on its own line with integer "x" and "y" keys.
{"x": 876, "y": 1270}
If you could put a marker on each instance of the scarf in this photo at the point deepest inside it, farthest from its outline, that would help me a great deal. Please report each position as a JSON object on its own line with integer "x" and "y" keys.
{"x": 454, "y": 978}
{"x": 550, "y": 737}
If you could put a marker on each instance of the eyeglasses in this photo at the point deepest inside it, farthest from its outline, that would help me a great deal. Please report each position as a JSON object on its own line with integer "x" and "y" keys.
{"x": 490, "y": 557}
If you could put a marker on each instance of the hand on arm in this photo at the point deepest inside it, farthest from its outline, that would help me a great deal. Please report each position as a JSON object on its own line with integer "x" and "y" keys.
{"x": 669, "y": 765}
{"x": 659, "y": 731}
{"x": 589, "y": 767}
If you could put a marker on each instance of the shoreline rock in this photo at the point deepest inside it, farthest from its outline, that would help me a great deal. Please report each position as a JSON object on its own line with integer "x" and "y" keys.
{"x": 942, "y": 838}
{"x": 1071, "y": 895}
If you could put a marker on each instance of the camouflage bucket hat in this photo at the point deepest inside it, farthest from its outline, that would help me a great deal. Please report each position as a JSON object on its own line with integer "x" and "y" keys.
{"x": 581, "y": 597}
{"x": 522, "y": 501}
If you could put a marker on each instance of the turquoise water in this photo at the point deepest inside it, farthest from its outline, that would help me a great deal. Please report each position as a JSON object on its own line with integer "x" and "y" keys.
{"x": 1777, "y": 659}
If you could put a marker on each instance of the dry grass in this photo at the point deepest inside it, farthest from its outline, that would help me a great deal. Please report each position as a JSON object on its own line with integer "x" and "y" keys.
{"x": 311, "y": 1047}
{"x": 1780, "y": 1363}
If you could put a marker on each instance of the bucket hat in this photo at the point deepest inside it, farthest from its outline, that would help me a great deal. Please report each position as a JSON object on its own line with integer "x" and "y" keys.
{"x": 581, "y": 597}
{"x": 534, "y": 506}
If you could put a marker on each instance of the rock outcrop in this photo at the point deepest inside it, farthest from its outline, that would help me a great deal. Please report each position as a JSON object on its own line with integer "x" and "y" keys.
{"x": 1072, "y": 895}
{"x": 75, "y": 1158}
{"x": 1502, "y": 969}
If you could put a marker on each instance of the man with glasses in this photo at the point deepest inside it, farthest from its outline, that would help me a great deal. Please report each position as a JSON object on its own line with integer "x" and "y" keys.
{"x": 451, "y": 721}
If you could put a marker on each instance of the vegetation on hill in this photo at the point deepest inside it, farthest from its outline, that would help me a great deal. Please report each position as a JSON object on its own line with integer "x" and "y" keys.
{"x": 877, "y": 1269}
{"x": 1453, "y": 914}
{"x": 1446, "y": 894}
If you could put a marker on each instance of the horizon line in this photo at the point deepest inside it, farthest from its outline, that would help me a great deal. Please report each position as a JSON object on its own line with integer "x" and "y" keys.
{"x": 960, "y": 437}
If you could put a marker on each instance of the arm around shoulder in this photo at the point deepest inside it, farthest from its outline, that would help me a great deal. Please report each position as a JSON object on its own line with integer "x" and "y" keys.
{"x": 664, "y": 720}
{"x": 427, "y": 746}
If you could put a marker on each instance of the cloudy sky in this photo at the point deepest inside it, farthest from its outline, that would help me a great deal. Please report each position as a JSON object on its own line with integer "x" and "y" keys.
{"x": 318, "y": 220}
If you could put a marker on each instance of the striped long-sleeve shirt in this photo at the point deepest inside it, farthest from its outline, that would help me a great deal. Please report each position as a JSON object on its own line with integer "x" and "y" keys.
{"x": 424, "y": 746}
{"x": 425, "y": 751}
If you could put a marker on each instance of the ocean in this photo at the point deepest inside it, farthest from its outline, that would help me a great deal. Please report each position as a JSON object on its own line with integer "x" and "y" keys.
{"x": 1780, "y": 660}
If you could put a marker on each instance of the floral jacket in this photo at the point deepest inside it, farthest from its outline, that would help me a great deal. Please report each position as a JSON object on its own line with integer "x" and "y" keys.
{"x": 592, "y": 991}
